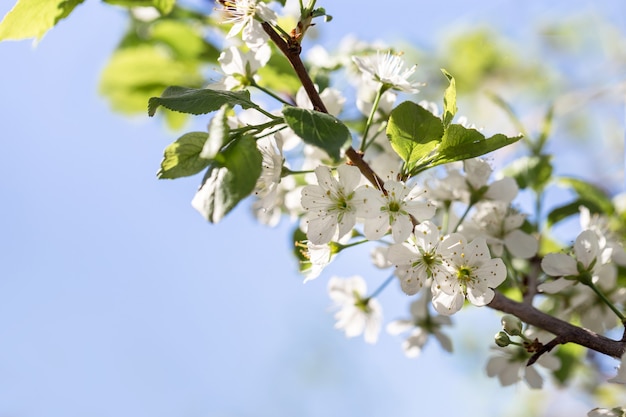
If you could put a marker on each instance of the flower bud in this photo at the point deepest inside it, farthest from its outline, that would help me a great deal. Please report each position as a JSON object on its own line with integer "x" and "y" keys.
{"x": 502, "y": 339}
{"x": 511, "y": 324}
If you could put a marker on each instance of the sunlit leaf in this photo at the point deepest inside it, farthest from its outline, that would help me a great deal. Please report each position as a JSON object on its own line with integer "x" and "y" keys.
{"x": 225, "y": 184}
{"x": 33, "y": 18}
{"x": 163, "y": 6}
{"x": 449, "y": 100}
{"x": 182, "y": 158}
{"x": 414, "y": 133}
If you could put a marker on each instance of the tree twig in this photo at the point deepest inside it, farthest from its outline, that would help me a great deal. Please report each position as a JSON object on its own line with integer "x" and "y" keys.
{"x": 564, "y": 331}
{"x": 292, "y": 50}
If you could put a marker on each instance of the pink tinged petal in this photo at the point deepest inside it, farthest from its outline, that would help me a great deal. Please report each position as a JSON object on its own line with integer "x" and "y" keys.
{"x": 448, "y": 304}
{"x": 505, "y": 189}
{"x": 555, "y": 286}
{"x": 586, "y": 247}
{"x": 521, "y": 245}
{"x": 533, "y": 378}
{"x": 558, "y": 265}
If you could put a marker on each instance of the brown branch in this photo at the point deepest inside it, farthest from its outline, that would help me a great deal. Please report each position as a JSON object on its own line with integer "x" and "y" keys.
{"x": 291, "y": 49}
{"x": 564, "y": 331}
{"x": 545, "y": 349}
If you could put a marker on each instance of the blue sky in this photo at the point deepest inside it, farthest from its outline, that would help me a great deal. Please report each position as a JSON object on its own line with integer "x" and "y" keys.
{"x": 117, "y": 299}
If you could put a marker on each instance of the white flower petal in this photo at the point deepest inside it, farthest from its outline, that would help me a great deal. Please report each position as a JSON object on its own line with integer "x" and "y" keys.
{"x": 521, "y": 245}
{"x": 558, "y": 265}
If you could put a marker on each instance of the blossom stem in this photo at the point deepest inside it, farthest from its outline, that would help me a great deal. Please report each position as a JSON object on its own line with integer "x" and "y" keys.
{"x": 382, "y": 286}
{"x": 371, "y": 116}
{"x": 269, "y": 93}
{"x": 463, "y": 216}
{"x": 606, "y": 301}
{"x": 286, "y": 171}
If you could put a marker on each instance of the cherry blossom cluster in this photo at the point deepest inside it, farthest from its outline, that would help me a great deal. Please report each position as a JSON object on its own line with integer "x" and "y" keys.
{"x": 449, "y": 236}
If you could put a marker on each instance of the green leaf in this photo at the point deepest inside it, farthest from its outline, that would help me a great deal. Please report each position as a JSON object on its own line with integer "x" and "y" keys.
{"x": 163, "y": 6}
{"x": 299, "y": 249}
{"x": 449, "y": 100}
{"x": 414, "y": 133}
{"x": 278, "y": 75}
{"x": 571, "y": 209}
{"x": 184, "y": 39}
{"x": 589, "y": 192}
{"x": 226, "y": 184}
{"x": 33, "y": 18}
{"x": 198, "y": 101}
{"x": 182, "y": 158}
{"x": 318, "y": 129}
{"x": 460, "y": 143}
{"x": 134, "y": 74}
{"x": 218, "y": 133}
{"x": 531, "y": 171}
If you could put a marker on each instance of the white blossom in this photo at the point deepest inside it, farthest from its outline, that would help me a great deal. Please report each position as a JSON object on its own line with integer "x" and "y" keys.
{"x": 240, "y": 68}
{"x": 509, "y": 365}
{"x": 586, "y": 252}
{"x": 500, "y": 225}
{"x": 357, "y": 314}
{"x": 477, "y": 173}
{"x": 606, "y": 238}
{"x": 421, "y": 325}
{"x": 605, "y": 412}
{"x": 395, "y": 209}
{"x": 418, "y": 259}
{"x": 332, "y": 206}
{"x": 243, "y": 14}
{"x": 473, "y": 275}
{"x": 389, "y": 70}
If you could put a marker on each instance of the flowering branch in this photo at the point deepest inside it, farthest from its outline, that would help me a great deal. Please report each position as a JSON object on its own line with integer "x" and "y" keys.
{"x": 565, "y": 332}
{"x": 292, "y": 50}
